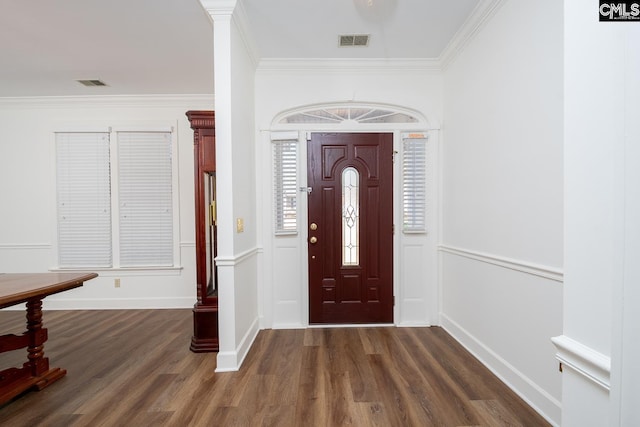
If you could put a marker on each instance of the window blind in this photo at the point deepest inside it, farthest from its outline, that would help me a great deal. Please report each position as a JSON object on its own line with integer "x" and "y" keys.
{"x": 285, "y": 159}
{"x": 145, "y": 199}
{"x": 414, "y": 184}
{"x": 83, "y": 199}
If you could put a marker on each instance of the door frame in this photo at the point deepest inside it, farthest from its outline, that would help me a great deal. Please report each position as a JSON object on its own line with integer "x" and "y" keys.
{"x": 423, "y": 313}
{"x": 303, "y": 225}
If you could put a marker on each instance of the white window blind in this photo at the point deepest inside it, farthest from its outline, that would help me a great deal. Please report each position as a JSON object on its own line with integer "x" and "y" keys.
{"x": 145, "y": 199}
{"x": 84, "y": 199}
{"x": 414, "y": 183}
{"x": 285, "y": 159}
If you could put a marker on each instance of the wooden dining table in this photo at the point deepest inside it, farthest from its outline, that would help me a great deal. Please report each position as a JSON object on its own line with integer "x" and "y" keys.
{"x": 31, "y": 288}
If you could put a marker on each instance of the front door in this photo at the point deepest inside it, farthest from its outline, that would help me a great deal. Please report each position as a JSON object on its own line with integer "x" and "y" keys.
{"x": 350, "y": 236}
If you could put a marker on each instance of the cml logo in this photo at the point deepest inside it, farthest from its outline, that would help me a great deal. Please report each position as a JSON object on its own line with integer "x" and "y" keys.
{"x": 619, "y": 11}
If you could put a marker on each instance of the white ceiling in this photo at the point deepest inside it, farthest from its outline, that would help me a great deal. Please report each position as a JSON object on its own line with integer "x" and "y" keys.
{"x": 166, "y": 46}
{"x": 398, "y": 28}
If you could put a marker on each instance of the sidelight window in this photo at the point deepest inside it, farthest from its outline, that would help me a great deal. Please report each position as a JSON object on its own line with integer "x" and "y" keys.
{"x": 285, "y": 159}
{"x": 414, "y": 183}
{"x": 350, "y": 217}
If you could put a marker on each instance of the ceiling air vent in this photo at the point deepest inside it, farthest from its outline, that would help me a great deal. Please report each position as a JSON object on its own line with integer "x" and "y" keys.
{"x": 90, "y": 83}
{"x": 350, "y": 40}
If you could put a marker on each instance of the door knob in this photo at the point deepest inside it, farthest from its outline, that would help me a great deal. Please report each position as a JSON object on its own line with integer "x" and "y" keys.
{"x": 313, "y": 226}
{"x": 313, "y": 240}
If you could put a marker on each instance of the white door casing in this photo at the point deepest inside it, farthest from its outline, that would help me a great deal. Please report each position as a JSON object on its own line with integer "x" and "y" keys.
{"x": 284, "y": 291}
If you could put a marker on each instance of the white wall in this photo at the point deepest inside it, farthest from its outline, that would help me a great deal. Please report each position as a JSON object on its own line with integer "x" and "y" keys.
{"x": 626, "y": 370}
{"x": 27, "y": 186}
{"x": 284, "y": 86}
{"x": 502, "y": 217}
{"x": 599, "y": 346}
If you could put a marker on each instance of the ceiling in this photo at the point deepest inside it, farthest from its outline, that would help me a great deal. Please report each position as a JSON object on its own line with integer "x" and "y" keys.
{"x": 166, "y": 46}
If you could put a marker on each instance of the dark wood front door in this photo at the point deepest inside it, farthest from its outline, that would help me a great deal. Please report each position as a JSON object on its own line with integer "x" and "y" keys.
{"x": 350, "y": 236}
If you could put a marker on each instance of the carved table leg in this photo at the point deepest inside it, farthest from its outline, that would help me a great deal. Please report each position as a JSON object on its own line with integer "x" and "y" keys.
{"x": 38, "y": 365}
{"x": 35, "y": 373}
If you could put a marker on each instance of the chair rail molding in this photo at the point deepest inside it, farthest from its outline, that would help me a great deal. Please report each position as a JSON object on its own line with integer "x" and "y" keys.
{"x": 230, "y": 261}
{"x": 584, "y": 360}
{"x": 544, "y": 271}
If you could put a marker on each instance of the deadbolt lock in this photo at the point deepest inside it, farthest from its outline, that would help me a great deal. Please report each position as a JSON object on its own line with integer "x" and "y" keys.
{"x": 313, "y": 240}
{"x": 313, "y": 226}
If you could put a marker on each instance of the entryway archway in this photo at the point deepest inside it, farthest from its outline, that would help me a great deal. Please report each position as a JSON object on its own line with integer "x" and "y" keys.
{"x": 410, "y": 148}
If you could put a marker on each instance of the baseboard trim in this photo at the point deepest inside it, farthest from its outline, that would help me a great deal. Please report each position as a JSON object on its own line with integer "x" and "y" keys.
{"x": 287, "y": 326}
{"x": 231, "y": 361}
{"x": 584, "y": 360}
{"x": 545, "y": 404}
{"x": 118, "y": 303}
{"x": 413, "y": 324}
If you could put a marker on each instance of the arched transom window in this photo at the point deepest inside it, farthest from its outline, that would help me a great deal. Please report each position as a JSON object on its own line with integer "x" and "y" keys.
{"x": 362, "y": 114}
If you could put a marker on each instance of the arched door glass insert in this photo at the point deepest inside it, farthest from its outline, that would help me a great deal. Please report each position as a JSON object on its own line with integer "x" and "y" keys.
{"x": 350, "y": 217}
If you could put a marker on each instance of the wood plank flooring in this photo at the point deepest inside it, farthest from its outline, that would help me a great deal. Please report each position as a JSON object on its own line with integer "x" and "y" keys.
{"x": 134, "y": 368}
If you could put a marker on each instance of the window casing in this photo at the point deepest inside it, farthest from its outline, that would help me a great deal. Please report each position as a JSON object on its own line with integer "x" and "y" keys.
{"x": 115, "y": 197}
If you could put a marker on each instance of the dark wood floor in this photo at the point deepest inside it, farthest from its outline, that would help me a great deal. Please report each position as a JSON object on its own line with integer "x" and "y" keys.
{"x": 133, "y": 368}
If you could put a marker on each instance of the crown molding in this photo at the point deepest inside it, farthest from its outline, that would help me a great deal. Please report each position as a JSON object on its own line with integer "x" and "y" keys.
{"x": 219, "y": 7}
{"x": 481, "y": 15}
{"x": 235, "y": 11}
{"x": 358, "y": 66}
{"x": 241, "y": 20}
{"x": 206, "y": 101}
